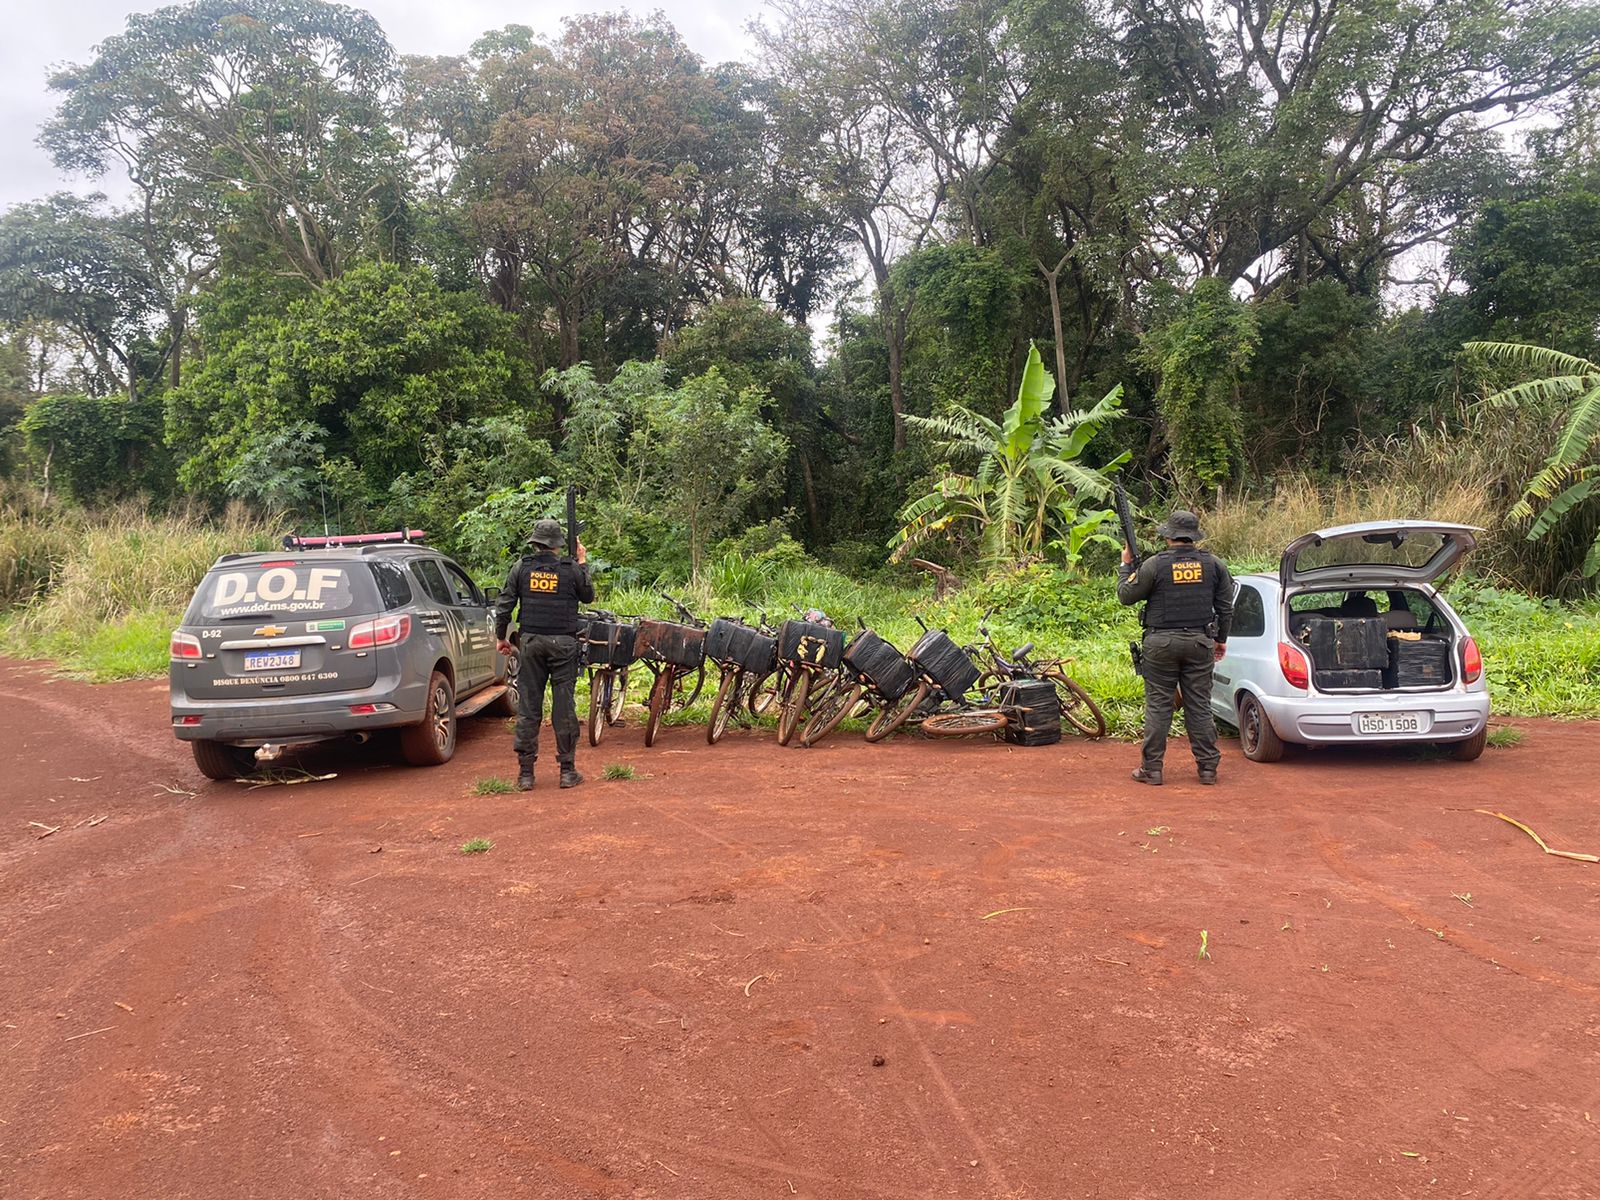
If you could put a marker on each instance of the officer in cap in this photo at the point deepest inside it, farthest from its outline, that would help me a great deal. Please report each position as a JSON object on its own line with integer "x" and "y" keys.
{"x": 1188, "y": 611}
{"x": 547, "y": 591}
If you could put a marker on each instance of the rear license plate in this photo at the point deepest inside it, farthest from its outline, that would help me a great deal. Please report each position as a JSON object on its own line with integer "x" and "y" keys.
{"x": 271, "y": 660}
{"x": 1397, "y": 722}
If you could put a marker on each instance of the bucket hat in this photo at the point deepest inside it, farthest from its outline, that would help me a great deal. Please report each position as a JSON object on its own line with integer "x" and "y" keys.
{"x": 1181, "y": 526}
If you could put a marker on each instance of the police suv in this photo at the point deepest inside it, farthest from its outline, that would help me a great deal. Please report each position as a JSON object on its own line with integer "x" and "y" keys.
{"x": 334, "y": 637}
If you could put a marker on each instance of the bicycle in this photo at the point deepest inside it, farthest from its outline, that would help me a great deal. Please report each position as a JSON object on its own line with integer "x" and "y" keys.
{"x": 671, "y": 651}
{"x": 607, "y": 643}
{"x": 808, "y": 650}
{"x": 1078, "y": 709}
{"x": 873, "y": 675}
{"x": 744, "y": 657}
{"x": 945, "y": 673}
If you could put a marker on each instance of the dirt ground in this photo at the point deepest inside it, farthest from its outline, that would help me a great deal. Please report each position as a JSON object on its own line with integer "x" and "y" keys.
{"x": 910, "y": 970}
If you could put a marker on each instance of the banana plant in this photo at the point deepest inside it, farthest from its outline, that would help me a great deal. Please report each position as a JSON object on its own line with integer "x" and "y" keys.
{"x": 1024, "y": 479}
{"x": 1572, "y": 466}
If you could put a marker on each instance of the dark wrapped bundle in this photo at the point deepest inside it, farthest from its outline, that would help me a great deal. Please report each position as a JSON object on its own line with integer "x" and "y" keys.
{"x": 1349, "y": 678}
{"x": 1421, "y": 664}
{"x": 670, "y": 642}
{"x": 945, "y": 663}
{"x": 810, "y": 644}
{"x": 881, "y": 664}
{"x": 1347, "y": 643}
{"x": 606, "y": 643}
{"x": 1033, "y": 712}
{"x": 737, "y": 646}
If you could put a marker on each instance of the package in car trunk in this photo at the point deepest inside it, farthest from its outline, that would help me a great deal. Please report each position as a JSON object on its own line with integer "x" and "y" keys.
{"x": 1347, "y": 643}
{"x": 737, "y": 646}
{"x": 670, "y": 642}
{"x": 1349, "y": 678}
{"x": 1033, "y": 712}
{"x": 811, "y": 644}
{"x": 1424, "y": 663}
{"x": 606, "y": 643}
{"x": 887, "y": 669}
{"x": 945, "y": 662}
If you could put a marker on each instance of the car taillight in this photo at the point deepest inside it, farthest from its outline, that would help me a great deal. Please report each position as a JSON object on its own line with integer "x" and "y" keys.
{"x": 1292, "y": 662}
{"x": 185, "y": 645}
{"x": 385, "y": 631}
{"x": 1471, "y": 661}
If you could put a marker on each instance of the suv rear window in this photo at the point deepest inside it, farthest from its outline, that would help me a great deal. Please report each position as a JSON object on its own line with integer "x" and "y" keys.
{"x": 282, "y": 589}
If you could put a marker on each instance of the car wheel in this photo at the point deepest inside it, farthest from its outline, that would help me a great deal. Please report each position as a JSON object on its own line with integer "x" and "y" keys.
{"x": 506, "y": 704}
{"x": 1257, "y": 737}
{"x": 1465, "y": 751}
{"x": 432, "y": 741}
{"x": 217, "y": 760}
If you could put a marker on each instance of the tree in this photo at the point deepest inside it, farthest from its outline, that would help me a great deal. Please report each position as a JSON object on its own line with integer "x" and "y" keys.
{"x": 1573, "y": 465}
{"x": 263, "y": 120}
{"x": 1029, "y": 480}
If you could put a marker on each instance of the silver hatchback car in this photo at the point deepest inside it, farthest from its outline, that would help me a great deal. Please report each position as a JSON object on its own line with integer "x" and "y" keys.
{"x": 1350, "y": 643}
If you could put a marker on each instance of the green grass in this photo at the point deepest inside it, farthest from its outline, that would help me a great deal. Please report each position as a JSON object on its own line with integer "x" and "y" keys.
{"x": 477, "y": 845}
{"x": 492, "y": 786}
{"x": 1502, "y": 736}
{"x": 619, "y": 771}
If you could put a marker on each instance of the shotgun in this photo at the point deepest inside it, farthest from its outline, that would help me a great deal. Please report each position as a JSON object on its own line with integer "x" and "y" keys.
{"x": 1130, "y": 538}
{"x": 572, "y": 521}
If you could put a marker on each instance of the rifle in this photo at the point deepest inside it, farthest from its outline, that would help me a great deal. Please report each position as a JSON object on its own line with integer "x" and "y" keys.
{"x": 1130, "y": 538}
{"x": 572, "y": 521}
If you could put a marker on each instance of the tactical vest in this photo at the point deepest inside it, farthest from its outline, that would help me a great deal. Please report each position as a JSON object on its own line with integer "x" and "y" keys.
{"x": 547, "y": 595}
{"x": 1184, "y": 590}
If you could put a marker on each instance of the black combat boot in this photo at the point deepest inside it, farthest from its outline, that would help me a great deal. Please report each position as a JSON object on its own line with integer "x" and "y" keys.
{"x": 1146, "y": 775}
{"x": 570, "y": 777}
{"x": 1208, "y": 775}
{"x": 525, "y": 778}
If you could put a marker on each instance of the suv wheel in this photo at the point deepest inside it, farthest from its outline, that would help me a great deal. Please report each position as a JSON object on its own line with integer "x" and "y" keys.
{"x": 506, "y": 705}
{"x": 1257, "y": 737}
{"x": 218, "y": 760}
{"x": 433, "y": 740}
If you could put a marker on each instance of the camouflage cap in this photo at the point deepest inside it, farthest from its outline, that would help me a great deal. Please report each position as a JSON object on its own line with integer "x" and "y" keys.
{"x": 547, "y": 532}
{"x": 1181, "y": 526}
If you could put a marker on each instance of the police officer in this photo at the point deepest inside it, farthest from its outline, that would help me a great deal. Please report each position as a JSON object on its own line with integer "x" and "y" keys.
{"x": 1188, "y": 595}
{"x": 547, "y": 590}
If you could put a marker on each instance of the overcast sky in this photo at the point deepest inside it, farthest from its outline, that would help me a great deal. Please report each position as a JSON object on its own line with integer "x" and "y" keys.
{"x": 43, "y": 33}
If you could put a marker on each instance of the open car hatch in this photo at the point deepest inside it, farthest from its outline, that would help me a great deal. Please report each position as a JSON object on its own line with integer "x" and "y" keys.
{"x": 1376, "y": 554}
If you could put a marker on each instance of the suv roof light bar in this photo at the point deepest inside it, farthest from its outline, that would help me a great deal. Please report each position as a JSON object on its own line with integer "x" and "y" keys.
{"x": 295, "y": 542}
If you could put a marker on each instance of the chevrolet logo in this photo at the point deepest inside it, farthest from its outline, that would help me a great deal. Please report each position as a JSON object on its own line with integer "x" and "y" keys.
{"x": 270, "y": 631}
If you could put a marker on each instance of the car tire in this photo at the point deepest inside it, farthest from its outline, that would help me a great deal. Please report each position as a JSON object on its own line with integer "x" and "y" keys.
{"x": 1470, "y": 749}
{"x": 505, "y": 704}
{"x": 218, "y": 760}
{"x": 1257, "y": 738}
{"x": 432, "y": 741}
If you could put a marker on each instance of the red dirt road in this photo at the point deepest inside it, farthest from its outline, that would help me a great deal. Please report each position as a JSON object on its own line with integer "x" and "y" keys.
{"x": 911, "y": 970}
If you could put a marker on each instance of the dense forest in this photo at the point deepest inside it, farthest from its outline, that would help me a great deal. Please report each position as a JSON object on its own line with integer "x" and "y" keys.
{"x": 798, "y": 297}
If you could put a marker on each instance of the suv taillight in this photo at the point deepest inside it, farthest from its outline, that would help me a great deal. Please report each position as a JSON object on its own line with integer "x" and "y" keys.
{"x": 385, "y": 631}
{"x": 1292, "y": 662}
{"x": 185, "y": 645}
{"x": 1471, "y": 661}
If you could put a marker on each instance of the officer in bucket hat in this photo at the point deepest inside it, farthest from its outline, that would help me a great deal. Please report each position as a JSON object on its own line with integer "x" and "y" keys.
{"x": 546, "y": 592}
{"x": 1188, "y": 611}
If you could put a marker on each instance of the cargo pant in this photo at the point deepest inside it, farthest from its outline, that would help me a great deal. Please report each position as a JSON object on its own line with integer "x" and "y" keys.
{"x": 1176, "y": 658}
{"x": 551, "y": 658}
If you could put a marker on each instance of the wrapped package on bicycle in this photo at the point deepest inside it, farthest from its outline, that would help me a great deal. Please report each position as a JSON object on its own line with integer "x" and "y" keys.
{"x": 880, "y": 664}
{"x": 671, "y": 643}
{"x": 810, "y": 644}
{"x": 946, "y": 663}
{"x": 607, "y": 643}
{"x": 545, "y": 592}
{"x": 1033, "y": 712}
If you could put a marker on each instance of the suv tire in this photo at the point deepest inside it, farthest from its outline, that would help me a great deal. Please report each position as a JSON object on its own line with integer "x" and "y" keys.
{"x": 218, "y": 760}
{"x": 1257, "y": 738}
{"x": 432, "y": 741}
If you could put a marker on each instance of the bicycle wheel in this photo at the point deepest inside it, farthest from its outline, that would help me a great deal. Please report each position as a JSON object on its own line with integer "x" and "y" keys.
{"x": 794, "y": 705}
{"x": 892, "y": 716}
{"x": 1077, "y": 709}
{"x": 660, "y": 701}
{"x": 722, "y": 707}
{"x": 765, "y": 693}
{"x": 826, "y": 715}
{"x": 699, "y": 682}
{"x": 959, "y": 724}
{"x": 619, "y": 696}
{"x": 599, "y": 693}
